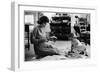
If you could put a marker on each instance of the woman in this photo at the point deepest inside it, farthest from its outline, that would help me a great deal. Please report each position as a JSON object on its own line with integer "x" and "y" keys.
{"x": 40, "y": 38}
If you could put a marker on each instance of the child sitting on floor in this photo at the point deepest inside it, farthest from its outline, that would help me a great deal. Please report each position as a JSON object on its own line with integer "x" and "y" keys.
{"x": 77, "y": 48}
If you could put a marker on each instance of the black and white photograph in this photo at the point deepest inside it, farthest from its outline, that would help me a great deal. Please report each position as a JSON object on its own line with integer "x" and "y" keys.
{"x": 56, "y": 35}
{"x": 47, "y": 36}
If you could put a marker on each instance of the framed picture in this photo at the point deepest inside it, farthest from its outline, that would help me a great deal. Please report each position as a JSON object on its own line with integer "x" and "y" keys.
{"x": 51, "y": 36}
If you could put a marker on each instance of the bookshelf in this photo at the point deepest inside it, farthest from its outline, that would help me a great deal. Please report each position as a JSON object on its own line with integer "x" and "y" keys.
{"x": 61, "y": 26}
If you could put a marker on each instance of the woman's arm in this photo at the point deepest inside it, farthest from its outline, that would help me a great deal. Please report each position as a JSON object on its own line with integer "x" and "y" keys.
{"x": 34, "y": 39}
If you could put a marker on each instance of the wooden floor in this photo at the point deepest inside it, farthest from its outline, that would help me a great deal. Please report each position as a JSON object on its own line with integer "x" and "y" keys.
{"x": 62, "y": 45}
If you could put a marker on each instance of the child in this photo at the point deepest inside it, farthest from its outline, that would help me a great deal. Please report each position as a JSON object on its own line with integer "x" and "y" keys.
{"x": 77, "y": 48}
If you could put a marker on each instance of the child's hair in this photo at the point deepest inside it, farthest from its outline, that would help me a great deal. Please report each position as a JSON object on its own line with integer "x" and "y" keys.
{"x": 71, "y": 36}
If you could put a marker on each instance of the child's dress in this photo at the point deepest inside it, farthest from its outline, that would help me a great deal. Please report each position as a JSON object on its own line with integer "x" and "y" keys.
{"x": 77, "y": 47}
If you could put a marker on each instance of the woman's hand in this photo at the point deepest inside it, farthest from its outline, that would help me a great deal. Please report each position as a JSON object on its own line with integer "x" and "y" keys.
{"x": 53, "y": 38}
{"x": 44, "y": 39}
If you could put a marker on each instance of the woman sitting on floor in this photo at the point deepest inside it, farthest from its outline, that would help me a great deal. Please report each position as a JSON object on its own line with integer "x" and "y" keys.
{"x": 40, "y": 38}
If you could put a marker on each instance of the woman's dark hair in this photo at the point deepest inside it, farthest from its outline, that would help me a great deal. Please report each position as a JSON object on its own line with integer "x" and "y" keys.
{"x": 43, "y": 19}
{"x": 76, "y": 16}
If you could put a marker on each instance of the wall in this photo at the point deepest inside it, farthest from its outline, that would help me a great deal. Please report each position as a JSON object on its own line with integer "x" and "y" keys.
{"x": 5, "y": 37}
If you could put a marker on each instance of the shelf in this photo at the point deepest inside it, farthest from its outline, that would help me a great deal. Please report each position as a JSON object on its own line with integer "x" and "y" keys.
{"x": 61, "y": 27}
